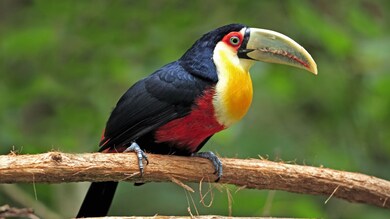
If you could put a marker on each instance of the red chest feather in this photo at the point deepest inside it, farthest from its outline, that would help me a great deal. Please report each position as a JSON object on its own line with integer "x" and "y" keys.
{"x": 190, "y": 131}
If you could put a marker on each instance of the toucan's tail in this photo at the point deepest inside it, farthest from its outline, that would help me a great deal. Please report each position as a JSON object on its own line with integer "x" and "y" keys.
{"x": 98, "y": 199}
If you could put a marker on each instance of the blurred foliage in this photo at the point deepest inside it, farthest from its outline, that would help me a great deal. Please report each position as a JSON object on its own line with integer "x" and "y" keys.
{"x": 64, "y": 64}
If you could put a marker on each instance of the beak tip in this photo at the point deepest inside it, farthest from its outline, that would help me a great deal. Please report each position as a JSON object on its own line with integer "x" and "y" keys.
{"x": 311, "y": 65}
{"x": 314, "y": 71}
{"x": 313, "y": 68}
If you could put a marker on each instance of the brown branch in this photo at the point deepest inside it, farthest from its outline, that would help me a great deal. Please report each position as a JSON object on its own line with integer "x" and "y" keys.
{"x": 55, "y": 167}
{"x": 7, "y": 212}
{"x": 18, "y": 195}
{"x": 184, "y": 217}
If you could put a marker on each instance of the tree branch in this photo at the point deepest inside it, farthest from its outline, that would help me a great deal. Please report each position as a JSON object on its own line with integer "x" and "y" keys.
{"x": 186, "y": 217}
{"x": 55, "y": 167}
{"x": 7, "y": 212}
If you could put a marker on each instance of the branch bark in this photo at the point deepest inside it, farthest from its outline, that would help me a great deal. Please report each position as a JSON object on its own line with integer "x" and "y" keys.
{"x": 56, "y": 167}
{"x": 185, "y": 217}
{"x": 7, "y": 212}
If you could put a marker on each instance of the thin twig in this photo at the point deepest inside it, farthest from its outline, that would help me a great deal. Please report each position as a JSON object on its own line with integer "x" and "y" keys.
{"x": 331, "y": 195}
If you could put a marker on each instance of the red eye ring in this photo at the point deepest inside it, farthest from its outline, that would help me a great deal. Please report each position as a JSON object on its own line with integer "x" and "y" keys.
{"x": 233, "y": 39}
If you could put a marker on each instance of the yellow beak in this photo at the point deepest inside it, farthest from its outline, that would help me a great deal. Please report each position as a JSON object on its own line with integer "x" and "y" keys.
{"x": 270, "y": 46}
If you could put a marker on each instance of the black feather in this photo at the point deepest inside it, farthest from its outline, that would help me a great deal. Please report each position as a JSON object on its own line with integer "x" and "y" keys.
{"x": 98, "y": 199}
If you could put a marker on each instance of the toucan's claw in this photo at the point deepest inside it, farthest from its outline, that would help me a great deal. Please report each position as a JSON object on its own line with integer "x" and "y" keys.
{"x": 134, "y": 147}
{"x": 214, "y": 159}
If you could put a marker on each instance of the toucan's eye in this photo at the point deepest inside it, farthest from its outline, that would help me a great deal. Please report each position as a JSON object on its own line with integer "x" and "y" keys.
{"x": 234, "y": 40}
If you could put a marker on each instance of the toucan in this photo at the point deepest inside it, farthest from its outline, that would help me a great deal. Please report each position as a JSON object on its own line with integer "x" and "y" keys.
{"x": 179, "y": 107}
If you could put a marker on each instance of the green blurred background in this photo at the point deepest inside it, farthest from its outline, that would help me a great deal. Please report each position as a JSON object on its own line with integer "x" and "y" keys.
{"x": 64, "y": 64}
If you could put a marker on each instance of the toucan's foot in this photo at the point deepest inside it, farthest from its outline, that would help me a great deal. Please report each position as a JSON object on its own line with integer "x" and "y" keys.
{"x": 214, "y": 159}
{"x": 134, "y": 147}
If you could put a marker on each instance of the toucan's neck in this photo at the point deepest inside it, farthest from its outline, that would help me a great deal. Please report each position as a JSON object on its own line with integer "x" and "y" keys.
{"x": 234, "y": 88}
{"x": 197, "y": 61}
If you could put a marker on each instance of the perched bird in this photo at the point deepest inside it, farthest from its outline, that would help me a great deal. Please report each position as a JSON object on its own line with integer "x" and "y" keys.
{"x": 179, "y": 107}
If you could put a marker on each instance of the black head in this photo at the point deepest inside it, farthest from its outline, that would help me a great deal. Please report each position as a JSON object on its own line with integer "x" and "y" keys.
{"x": 198, "y": 59}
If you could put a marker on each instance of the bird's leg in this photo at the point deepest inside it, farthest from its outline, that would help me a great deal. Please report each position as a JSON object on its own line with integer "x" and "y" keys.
{"x": 214, "y": 159}
{"x": 134, "y": 147}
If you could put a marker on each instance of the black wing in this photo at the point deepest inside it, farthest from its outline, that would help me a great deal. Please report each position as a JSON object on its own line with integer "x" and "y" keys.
{"x": 165, "y": 95}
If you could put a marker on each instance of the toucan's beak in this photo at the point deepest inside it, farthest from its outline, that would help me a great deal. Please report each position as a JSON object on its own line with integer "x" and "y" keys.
{"x": 270, "y": 46}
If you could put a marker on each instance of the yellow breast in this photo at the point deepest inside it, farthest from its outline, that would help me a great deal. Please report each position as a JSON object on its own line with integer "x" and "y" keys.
{"x": 234, "y": 92}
